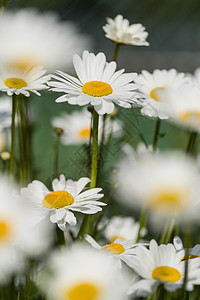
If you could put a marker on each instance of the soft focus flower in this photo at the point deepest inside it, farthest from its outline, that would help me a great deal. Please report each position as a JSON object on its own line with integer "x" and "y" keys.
{"x": 120, "y": 31}
{"x": 76, "y": 127}
{"x": 153, "y": 85}
{"x": 123, "y": 228}
{"x": 162, "y": 265}
{"x": 19, "y": 237}
{"x": 67, "y": 196}
{"x": 82, "y": 273}
{"x": 166, "y": 184}
{"x": 192, "y": 252}
{"x": 120, "y": 250}
{"x": 98, "y": 84}
{"x": 15, "y": 81}
{"x": 41, "y": 39}
{"x": 183, "y": 106}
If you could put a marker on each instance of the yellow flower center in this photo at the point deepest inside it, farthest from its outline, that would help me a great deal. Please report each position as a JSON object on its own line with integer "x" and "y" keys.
{"x": 84, "y": 133}
{"x": 192, "y": 116}
{"x": 189, "y": 256}
{"x": 114, "y": 248}
{"x": 5, "y": 230}
{"x": 82, "y": 291}
{"x": 15, "y": 83}
{"x": 168, "y": 199}
{"x": 117, "y": 237}
{"x": 155, "y": 93}
{"x": 165, "y": 273}
{"x": 97, "y": 88}
{"x": 57, "y": 199}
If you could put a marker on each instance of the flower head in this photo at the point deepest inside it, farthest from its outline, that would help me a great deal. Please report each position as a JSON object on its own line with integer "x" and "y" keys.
{"x": 98, "y": 84}
{"x": 66, "y": 197}
{"x": 15, "y": 81}
{"x": 162, "y": 265}
{"x": 154, "y": 85}
{"x": 120, "y": 31}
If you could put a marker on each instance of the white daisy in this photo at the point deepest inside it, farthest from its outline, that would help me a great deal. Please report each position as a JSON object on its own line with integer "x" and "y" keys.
{"x": 98, "y": 84}
{"x": 162, "y": 265}
{"x": 76, "y": 127}
{"x": 16, "y": 81}
{"x": 119, "y": 250}
{"x": 153, "y": 85}
{"x": 120, "y": 31}
{"x": 166, "y": 184}
{"x": 183, "y": 106}
{"x": 67, "y": 196}
{"x": 192, "y": 252}
{"x": 18, "y": 237}
{"x": 42, "y": 39}
{"x": 123, "y": 228}
{"x": 82, "y": 273}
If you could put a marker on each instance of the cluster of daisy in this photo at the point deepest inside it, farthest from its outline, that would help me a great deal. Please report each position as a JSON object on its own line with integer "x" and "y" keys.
{"x": 99, "y": 258}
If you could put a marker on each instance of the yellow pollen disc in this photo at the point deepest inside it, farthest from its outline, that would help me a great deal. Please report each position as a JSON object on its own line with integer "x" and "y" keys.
{"x": 84, "y": 133}
{"x": 15, "y": 83}
{"x": 190, "y": 116}
{"x": 57, "y": 199}
{"x": 97, "y": 88}
{"x": 165, "y": 273}
{"x": 5, "y": 230}
{"x": 82, "y": 291}
{"x": 114, "y": 248}
{"x": 167, "y": 199}
{"x": 155, "y": 93}
{"x": 189, "y": 256}
{"x": 117, "y": 237}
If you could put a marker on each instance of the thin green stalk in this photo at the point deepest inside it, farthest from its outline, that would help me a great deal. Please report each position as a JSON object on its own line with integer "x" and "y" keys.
{"x": 191, "y": 143}
{"x": 58, "y": 132}
{"x": 156, "y": 135}
{"x": 11, "y": 167}
{"x": 116, "y": 52}
{"x": 60, "y": 237}
{"x": 170, "y": 231}
{"x": 142, "y": 223}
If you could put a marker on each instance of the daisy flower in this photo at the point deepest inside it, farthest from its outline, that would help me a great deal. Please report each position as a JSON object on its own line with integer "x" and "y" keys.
{"x": 76, "y": 127}
{"x": 192, "y": 252}
{"x": 184, "y": 106}
{"x": 123, "y": 228}
{"x": 120, "y": 250}
{"x": 42, "y": 40}
{"x": 82, "y": 273}
{"x": 16, "y": 81}
{"x": 173, "y": 190}
{"x": 153, "y": 85}
{"x": 162, "y": 265}
{"x": 66, "y": 196}
{"x": 98, "y": 84}
{"x": 19, "y": 238}
{"x": 120, "y": 31}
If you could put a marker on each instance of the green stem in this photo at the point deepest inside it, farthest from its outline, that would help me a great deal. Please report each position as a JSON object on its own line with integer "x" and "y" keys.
{"x": 116, "y": 52}
{"x": 60, "y": 237}
{"x": 142, "y": 223}
{"x": 187, "y": 246}
{"x": 3, "y": 6}
{"x": 156, "y": 135}
{"x": 170, "y": 231}
{"x": 191, "y": 143}
{"x": 58, "y": 132}
{"x": 94, "y": 150}
{"x": 11, "y": 167}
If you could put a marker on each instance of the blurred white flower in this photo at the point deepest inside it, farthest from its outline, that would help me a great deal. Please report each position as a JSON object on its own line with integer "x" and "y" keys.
{"x": 162, "y": 265}
{"x": 98, "y": 84}
{"x": 123, "y": 228}
{"x": 82, "y": 273}
{"x": 192, "y": 252}
{"x": 120, "y": 31}
{"x": 166, "y": 184}
{"x": 19, "y": 238}
{"x": 76, "y": 127}
{"x": 67, "y": 196}
{"x": 16, "y": 81}
{"x": 120, "y": 250}
{"x": 183, "y": 106}
{"x": 32, "y": 38}
{"x": 153, "y": 85}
